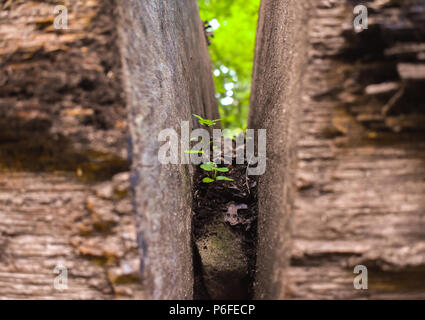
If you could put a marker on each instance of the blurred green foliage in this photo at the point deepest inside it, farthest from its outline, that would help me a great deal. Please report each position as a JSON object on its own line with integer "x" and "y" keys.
{"x": 234, "y": 23}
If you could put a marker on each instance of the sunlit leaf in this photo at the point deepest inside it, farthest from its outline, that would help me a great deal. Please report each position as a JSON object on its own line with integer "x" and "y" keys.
{"x": 222, "y": 178}
{"x": 207, "y": 167}
{"x": 205, "y": 121}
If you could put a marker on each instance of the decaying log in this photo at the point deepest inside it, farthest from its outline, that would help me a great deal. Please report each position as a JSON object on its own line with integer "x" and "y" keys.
{"x": 64, "y": 198}
{"x": 360, "y": 171}
{"x": 168, "y": 77}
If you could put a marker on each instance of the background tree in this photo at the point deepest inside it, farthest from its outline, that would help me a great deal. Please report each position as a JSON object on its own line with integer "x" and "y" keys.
{"x": 234, "y": 24}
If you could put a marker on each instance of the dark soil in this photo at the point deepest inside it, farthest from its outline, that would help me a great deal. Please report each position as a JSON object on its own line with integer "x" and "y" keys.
{"x": 211, "y": 201}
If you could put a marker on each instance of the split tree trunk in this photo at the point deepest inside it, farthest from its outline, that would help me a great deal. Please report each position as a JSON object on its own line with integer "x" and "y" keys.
{"x": 62, "y": 140}
{"x": 168, "y": 77}
{"x": 358, "y": 195}
{"x": 63, "y": 149}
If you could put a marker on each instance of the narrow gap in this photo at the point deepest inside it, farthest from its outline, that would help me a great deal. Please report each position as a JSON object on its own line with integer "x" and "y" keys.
{"x": 225, "y": 212}
{"x": 225, "y": 234}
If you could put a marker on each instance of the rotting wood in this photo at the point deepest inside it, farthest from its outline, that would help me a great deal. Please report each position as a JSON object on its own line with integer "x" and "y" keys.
{"x": 62, "y": 142}
{"x": 359, "y": 175}
{"x": 168, "y": 77}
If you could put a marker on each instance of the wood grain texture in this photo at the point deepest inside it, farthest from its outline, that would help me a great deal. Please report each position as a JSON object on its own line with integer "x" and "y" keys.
{"x": 62, "y": 142}
{"x": 358, "y": 194}
{"x": 361, "y": 174}
{"x": 168, "y": 77}
{"x": 275, "y": 99}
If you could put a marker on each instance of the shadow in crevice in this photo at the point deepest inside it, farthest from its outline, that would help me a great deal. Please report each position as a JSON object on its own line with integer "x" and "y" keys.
{"x": 28, "y": 145}
{"x": 224, "y": 235}
{"x": 409, "y": 281}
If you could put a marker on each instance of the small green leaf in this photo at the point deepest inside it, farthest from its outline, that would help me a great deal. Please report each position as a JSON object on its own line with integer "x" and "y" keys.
{"x": 207, "y": 180}
{"x": 221, "y": 178}
{"x": 207, "y": 167}
{"x": 222, "y": 169}
{"x": 205, "y": 121}
{"x": 199, "y": 117}
{"x": 193, "y": 151}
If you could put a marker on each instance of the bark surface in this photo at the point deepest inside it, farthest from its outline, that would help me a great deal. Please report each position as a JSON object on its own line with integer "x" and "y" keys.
{"x": 359, "y": 184}
{"x": 275, "y": 100}
{"x": 64, "y": 179}
{"x": 168, "y": 77}
{"x": 64, "y": 188}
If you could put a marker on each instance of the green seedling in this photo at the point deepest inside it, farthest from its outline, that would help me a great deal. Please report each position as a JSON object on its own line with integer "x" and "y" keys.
{"x": 206, "y": 122}
{"x": 223, "y": 178}
{"x": 196, "y": 139}
{"x": 212, "y": 167}
{"x": 207, "y": 180}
